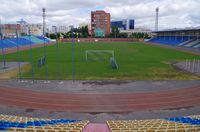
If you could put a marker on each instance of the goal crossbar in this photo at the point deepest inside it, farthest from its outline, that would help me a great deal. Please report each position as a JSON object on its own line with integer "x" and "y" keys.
{"x": 98, "y": 51}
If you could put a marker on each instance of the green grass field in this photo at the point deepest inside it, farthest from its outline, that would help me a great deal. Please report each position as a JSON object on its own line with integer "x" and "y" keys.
{"x": 136, "y": 61}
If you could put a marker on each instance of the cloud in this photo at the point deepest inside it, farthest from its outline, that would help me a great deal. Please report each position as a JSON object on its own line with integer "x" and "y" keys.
{"x": 172, "y": 13}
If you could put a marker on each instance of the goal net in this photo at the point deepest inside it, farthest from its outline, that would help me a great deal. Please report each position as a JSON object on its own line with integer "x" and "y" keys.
{"x": 99, "y": 55}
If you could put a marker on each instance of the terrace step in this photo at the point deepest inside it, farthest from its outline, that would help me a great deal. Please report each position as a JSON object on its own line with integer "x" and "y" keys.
{"x": 96, "y": 127}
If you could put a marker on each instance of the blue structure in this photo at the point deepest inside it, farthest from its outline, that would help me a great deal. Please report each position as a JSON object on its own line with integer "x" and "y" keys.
{"x": 189, "y": 38}
{"x": 124, "y": 24}
{"x": 169, "y": 40}
{"x": 187, "y": 120}
{"x": 5, "y": 125}
{"x": 177, "y": 41}
{"x": 22, "y": 41}
{"x": 99, "y": 32}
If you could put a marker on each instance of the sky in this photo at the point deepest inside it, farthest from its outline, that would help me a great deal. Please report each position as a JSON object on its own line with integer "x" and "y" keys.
{"x": 173, "y": 13}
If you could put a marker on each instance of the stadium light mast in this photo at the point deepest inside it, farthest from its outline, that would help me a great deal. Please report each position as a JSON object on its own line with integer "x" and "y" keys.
{"x": 156, "y": 21}
{"x": 0, "y": 30}
{"x": 44, "y": 23}
{"x": 44, "y": 34}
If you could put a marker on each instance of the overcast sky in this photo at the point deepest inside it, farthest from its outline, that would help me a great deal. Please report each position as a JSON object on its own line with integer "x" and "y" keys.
{"x": 173, "y": 13}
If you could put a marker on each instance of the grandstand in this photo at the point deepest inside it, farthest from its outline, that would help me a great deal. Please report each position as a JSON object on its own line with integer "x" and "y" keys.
{"x": 92, "y": 79}
{"x": 189, "y": 38}
{"x": 25, "y": 124}
{"x": 28, "y": 124}
{"x": 177, "y": 124}
{"x": 22, "y": 41}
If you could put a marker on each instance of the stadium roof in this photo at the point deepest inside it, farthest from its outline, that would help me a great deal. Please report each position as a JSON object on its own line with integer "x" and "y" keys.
{"x": 178, "y": 30}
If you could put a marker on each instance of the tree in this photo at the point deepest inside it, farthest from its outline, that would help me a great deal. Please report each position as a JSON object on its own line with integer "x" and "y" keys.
{"x": 139, "y": 35}
{"x": 84, "y": 32}
{"x": 23, "y": 34}
{"x": 79, "y": 32}
{"x": 47, "y": 35}
{"x": 123, "y": 35}
{"x": 52, "y": 36}
{"x": 146, "y": 36}
{"x": 115, "y": 32}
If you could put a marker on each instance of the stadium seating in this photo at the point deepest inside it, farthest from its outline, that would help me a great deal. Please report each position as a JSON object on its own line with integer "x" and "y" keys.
{"x": 33, "y": 39}
{"x": 44, "y": 39}
{"x": 7, "y": 43}
{"x": 195, "y": 117}
{"x": 4, "y": 45}
{"x": 189, "y": 42}
{"x": 179, "y": 124}
{"x": 25, "y": 124}
{"x": 22, "y": 41}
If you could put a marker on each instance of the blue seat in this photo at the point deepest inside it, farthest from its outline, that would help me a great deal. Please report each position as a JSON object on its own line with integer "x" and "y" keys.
{"x": 171, "y": 40}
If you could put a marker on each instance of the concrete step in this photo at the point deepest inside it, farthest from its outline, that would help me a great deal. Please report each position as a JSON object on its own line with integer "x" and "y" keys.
{"x": 96, "y": 127}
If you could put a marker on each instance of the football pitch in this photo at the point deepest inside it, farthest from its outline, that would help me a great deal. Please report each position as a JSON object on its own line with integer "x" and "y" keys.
{"x": 136, "y": 61}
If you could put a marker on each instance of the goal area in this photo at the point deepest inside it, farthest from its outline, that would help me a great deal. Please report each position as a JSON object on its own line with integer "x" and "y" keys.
{"x": 99, "y": 55}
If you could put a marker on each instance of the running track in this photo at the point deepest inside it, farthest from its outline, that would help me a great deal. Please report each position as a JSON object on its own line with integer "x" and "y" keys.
{"x": 100, "y": 102}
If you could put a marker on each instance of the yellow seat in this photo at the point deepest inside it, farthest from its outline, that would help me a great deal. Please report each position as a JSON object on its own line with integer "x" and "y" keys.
{"x": 11, "y": 129}
{"x": 180, "y": 130}
{"x": 40, "y": 130}
{"x": 19, "y": 130}
{"x": 150, "y": 131}
{"x": 171, "y": 131}
{"x": 30, "y": 130}
{"x": 191, "y": 130}
{"x": 51, "y": 131}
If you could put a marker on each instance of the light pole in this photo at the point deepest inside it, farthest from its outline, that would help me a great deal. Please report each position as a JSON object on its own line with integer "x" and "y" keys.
{"x": 31, "y": 55}
{"x": 18, "y": 55}
{"x": 57, "y": 52}
{"x": 2, "y": 49}
{"x": 73, "y": 63}
{"x": 44, "y": 34}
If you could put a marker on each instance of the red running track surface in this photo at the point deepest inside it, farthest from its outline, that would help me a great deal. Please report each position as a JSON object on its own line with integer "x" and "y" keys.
{"x": 127, "y": 102}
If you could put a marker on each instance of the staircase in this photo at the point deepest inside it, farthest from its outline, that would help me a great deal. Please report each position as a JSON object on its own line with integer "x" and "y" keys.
{"x": 197, "y": 46}
{"x": 192, "y": 43}
{"x": 186, "y": 42}
{"x": 92, "y": 127}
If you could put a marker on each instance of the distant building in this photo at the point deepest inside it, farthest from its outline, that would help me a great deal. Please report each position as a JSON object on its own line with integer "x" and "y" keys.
{"x": 24, "y": 26}
{"x": 9, "y": 30}
{"x": 124, "y": 24}
{"x": 100, "y": 20}
{"x": 138, "y": 30}
{"x": 63, "y": 29}
{"x": 71, "y": 27}
{"x": 35, "y": 29}
{"x": 53, "y": 29}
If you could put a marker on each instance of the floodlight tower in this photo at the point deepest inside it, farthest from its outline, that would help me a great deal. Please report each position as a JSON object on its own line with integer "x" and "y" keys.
{"x": 44, "y": 34}
{"x": 156, "y": 22}
{"x": 0, "y": 29}
{"x": 44, "y": 22}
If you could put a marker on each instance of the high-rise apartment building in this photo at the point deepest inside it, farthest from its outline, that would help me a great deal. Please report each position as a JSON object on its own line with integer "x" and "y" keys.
{"x": 100, "y": 23}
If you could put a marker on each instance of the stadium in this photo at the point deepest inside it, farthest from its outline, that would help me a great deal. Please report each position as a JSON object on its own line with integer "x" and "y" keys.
{"x": 99, "y": 83}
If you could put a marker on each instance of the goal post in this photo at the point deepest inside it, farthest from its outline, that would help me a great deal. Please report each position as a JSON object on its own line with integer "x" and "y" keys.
{"x": 98, "y": 54}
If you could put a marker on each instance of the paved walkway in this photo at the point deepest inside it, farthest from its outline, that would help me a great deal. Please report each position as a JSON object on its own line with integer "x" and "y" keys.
{"x": 96, "y": 128}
